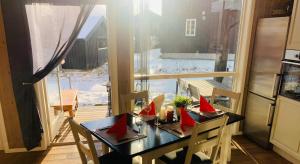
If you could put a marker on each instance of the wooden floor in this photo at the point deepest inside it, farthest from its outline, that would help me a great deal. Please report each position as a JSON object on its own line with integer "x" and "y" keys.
{"x": 243, "y": 151}
{"x": 88, "y": 113}
{"x": 246, "y": 152}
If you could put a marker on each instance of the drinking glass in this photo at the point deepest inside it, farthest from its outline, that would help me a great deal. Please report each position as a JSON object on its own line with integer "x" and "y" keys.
{"x": 138, "y": 122}
{"x": 157, "y": 119}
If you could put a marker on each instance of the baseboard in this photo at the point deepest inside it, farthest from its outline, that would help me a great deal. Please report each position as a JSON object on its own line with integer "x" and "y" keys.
{"x": 285, "y": 155}
{"x": 21, "y": 150}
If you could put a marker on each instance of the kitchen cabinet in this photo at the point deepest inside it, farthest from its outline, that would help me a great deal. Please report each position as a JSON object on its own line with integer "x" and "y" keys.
{"x": 293, "y": 42}
{"x": 286, "y": 126}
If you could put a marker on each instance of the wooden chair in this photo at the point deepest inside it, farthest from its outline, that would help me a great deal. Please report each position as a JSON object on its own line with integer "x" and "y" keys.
{"x": 127, "y": 98}
{"x": 233, "y": 96}
{"x": 181, "y": 86}
{"x": 194, "y": 92}
{"x": 88, "y": 153}
{"x": 158, "y": 101}
{"x": 192, "y": 154}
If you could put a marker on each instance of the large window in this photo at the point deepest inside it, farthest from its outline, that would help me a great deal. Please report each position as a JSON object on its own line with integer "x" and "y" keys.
{"x": 165, "y": 55}
{"x": 190, "y": 27}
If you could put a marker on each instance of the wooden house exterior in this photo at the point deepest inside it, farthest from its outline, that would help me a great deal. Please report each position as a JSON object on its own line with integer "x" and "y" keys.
{"x": 89, "y": 50}
{"x": 206, "y": 13}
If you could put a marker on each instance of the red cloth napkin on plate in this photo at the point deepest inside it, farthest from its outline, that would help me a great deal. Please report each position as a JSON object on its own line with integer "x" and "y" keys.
{"x": 205, "y": 106}
{"x": 185, "y": 119}
{"x": 151, "y": 112}
{"x": 119, "y": 128}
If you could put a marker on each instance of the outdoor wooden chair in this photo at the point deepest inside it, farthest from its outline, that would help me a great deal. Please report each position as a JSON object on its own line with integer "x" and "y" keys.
{"x": 88, "y": 153}
{"x": 233, "y": 98}
{"x": 194, "y": 92}
{"x": 192, "y": 154}
{"x": 126, "y": 99}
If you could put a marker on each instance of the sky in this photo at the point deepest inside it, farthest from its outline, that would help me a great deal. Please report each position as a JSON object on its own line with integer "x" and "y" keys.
{"x": 155, "y": 6}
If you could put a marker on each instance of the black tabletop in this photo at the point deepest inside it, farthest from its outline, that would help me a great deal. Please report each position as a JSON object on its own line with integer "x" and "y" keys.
{"x": 156, "y": 137}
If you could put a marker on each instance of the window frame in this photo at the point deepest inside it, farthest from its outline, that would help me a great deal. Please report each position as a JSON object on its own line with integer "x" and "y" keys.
{"x": 242, "y": 58}
{"x": 189, "y": 31}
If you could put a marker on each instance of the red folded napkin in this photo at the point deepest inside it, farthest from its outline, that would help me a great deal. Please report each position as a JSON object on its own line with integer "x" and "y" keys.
{"x": 151, "y": 110}
{"x": 205, "y": 106}
{"x": 119, "y": 128}
{"x": 185, "y": 119}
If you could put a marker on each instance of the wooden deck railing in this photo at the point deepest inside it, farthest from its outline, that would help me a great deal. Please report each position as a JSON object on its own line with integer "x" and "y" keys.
{"x": 183, "y": 75}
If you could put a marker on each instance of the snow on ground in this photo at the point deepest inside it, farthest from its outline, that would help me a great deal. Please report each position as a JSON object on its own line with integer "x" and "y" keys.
{"x": 158, "y": 65}
{"x": 91, "y": 84}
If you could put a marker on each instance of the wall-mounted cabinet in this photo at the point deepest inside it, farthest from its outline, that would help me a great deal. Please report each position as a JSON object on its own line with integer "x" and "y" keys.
{"x": 294, "y": 32}
{"x": 286, "y": 130}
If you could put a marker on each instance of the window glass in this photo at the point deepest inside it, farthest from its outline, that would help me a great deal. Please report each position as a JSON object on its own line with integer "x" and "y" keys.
{"x": 163, "y": 28}
{"x": 190, "y": 27}
{"x": 182, "y": 37}
{"x": 185, "y": 87}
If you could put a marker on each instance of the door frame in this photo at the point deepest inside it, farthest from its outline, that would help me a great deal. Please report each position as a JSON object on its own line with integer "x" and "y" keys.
{"x": 44, "y": 142}
{"x": 41, "y": 88}
{"x": 53, "y": 132}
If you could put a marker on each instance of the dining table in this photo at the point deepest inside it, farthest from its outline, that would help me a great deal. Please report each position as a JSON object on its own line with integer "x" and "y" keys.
{"x": 157, "y": 141}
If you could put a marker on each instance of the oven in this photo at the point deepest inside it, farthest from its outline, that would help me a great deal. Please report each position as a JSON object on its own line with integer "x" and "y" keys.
{"x": 290, "y": 82}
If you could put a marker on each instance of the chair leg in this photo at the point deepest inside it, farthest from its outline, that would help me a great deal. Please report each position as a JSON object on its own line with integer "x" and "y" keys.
{"x": 225, "y": 154}
{"x": 105, "y": 148}
{"x": 157, "y": 161}
{"x": 146, "y": 160}
{"x": 71, "y": 113}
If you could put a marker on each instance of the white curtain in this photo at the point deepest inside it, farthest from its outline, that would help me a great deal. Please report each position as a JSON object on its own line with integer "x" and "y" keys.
{"x": 50, "y": 27}
{"x": 142, "y": 42}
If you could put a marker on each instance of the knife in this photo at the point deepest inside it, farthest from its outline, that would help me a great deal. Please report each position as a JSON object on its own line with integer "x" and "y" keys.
{"x": 175, "y": 130}
{"x": 107, "y": 127}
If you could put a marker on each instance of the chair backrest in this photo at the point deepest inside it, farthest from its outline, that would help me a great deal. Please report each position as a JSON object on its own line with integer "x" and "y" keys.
{"x": 158, "y": 101}
{"x": 182, "y": 86}
{"x": 197, "y": 143}
{"x": 233, "y": 96}
{"x": 126, "y": 99}
{"x": 194, "y": 92}
{"x": 86, "y": 152}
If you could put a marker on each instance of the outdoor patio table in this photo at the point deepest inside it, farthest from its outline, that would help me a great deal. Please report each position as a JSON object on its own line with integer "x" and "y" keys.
{"x": 69, "y": 102}
{"x": 158, "y": 141}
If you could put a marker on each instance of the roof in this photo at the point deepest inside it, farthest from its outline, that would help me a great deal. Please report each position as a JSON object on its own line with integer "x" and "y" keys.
{"x": 97, "y": 16}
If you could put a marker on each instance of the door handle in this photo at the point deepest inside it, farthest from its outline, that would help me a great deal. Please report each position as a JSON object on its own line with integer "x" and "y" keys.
{"x": 270, "y": 114}
{"x": 276, "y": 84}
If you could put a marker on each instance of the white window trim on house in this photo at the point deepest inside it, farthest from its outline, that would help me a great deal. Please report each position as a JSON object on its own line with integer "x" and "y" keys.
{"x": 189, "y": 31}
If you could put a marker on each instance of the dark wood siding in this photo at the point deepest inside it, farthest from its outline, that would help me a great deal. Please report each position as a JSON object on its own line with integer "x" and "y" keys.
{"x": 85, "y": 54}
{"x": 173, "y": 21}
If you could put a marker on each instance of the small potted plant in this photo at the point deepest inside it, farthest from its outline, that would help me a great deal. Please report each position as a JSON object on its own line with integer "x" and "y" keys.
{"x": 181, "y": 102}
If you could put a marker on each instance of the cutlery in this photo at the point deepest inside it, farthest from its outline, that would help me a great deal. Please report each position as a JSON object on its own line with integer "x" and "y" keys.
{"x": 107, "y": 127}
{"x": 127, "y": 138}
{"x": 175, "y": 130}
